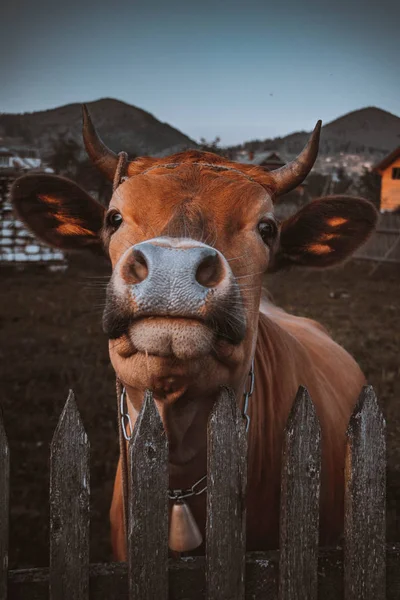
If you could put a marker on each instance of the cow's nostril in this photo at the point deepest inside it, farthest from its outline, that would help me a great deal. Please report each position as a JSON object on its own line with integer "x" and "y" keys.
{"x": 138, "y": 268}
{"x": 210, "y": 272}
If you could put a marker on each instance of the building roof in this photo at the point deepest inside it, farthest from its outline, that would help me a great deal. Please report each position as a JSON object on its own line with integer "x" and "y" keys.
{"x": 272, "y": 156}
{"x": 5, "y": 151}
{"x": 388, "y": 160}
{"x": 272, "y": 160}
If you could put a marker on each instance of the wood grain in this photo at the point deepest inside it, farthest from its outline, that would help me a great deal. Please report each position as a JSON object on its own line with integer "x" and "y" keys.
{"x": 4, "y": 507}
{"x": 69, "y": 507}
{"x": 226, "y": 510}
{"x": 300, "y": 486}
{"x": 148, "y": 506}
{"x": 365, "y": 501}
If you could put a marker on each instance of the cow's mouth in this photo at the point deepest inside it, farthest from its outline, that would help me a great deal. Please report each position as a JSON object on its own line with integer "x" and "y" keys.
{"x": 174, "y": 337}
{"x": 182, "y": 338}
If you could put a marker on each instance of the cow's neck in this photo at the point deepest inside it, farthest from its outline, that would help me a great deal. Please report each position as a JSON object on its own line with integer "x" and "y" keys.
{"x": 185, "y": 422}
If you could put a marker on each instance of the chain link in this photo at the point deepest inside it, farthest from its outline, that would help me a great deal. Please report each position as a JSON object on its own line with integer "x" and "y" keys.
{"x": 247, "y": 395}
{"x": 125, "y": 418}
{"x": 178, "y": 495}
{"x": 181, "y": 494}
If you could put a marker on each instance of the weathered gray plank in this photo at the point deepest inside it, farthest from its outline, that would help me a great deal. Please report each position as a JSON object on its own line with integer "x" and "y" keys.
{"x": 299, "y": 518}
{"x": 69, "y": 507}
{"x": 365, "y": 488}
{"x": 4, "y": 507}
{"x": 226, "y": 490}
{"x": 187, "y": 578}
{"x": 148, "y": 506}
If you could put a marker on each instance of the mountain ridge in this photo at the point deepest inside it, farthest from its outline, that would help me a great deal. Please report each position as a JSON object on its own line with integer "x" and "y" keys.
{"x": 121, "y": 126}
{"x": 367, "y": 134}
{"x": 370, "y": 128}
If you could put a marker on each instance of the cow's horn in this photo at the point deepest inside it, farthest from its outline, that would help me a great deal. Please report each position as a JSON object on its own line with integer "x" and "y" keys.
{"x": 103, "y": 158}
{"x": 292, "y": 174}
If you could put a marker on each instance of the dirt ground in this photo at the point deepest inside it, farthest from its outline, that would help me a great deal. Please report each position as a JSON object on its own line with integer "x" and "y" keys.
{"x": 51, "y": 340}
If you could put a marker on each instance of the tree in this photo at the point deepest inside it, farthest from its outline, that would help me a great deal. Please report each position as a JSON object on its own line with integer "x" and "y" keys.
{"x": 369, "y": 186}
{"x": 93, "y": 181}
{"x": 341, "y": 182}
{"x": 213, "y": 146}
{"x": 65, "y": 155}
{"x": 316, "y": 184}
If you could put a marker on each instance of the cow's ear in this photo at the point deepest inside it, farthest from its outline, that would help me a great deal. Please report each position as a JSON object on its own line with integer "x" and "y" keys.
{"x": 324, "y": 232}
{"x": 59, "y": 212}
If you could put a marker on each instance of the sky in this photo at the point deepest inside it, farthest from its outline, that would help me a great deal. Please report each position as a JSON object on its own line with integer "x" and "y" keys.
{"x": 237, "y": 70}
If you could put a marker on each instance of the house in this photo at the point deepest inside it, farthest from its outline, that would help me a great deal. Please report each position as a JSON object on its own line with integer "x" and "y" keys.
{"x": 22, "y": 159}
{"x": 18, "y": 247}
{"x": 6, "y": 158}
{"x": 269, "y": 160}
{"x": 389, "y": 170}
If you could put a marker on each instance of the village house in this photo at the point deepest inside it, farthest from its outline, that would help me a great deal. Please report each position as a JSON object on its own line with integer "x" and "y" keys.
{"x": 19, "y": 159}
{"x": 271, "y": 160}
{"x": 389, "y": 170}
{"x": 18, "y": 247}
{"x": 6, "y": 158}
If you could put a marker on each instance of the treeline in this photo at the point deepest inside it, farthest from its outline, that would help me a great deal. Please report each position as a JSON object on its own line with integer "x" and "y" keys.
{"x": 367, "y": 185}
{"x": 294, "y": 144}
{"x": 14, "y": 126}
{"x": 67, "y": 159}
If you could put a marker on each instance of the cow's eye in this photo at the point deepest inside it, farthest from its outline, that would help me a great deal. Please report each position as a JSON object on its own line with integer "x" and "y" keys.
{"x": 114, "y": 219}
{"x": 268, "y": 231}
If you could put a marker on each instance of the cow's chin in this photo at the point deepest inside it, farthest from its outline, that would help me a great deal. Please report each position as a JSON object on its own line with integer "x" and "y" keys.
{"x": 171, "y": 355}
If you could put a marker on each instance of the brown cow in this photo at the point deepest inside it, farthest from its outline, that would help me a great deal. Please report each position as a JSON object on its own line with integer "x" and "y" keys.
{"x": 190, "y": 238}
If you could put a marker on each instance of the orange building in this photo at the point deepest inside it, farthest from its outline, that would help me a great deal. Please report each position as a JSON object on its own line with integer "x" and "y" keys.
{"x": 389, "y": 170}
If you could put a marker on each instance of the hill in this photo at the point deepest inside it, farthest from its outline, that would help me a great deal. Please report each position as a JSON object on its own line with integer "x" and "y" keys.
{"x": 361, "y": 137}
{"x": 369, "y": 127}
{"x": 121, "y": 126}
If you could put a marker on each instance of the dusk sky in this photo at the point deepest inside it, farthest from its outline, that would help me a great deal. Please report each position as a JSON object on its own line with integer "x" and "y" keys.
{"x": 240, "y": 70}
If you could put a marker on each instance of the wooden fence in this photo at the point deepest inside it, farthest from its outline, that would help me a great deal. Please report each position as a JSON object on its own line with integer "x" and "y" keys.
{"x": 384, "y": 244}
{"x": 366, "y": 569}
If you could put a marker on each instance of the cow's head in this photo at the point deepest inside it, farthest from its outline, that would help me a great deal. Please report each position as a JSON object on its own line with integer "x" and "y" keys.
{"x": 190, "y": 238}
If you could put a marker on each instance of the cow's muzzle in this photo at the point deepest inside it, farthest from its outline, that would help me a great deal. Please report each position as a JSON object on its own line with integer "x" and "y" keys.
{"x": 175, "y": 278}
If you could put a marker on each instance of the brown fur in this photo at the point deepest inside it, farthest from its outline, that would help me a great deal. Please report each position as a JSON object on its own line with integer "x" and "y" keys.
{"x": 290, "y": 351}
{"x": 258, "y": 174}
{"x": 293, "y": 351}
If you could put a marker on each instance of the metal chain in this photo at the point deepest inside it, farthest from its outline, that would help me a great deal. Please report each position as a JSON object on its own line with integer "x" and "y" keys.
{"x": 124, "y": 416}
{"x": 179, "y": 494}
{"x": 247, "y": 395}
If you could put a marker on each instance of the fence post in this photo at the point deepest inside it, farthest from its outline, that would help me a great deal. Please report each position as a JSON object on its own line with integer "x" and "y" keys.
{"x": 365, "y": 488}
{"x": 69, "y": 507}
{"x": 226, "y": 510}
{"x": 4, "y": 507}
{"x": 148, "y": 506}
{"x": 300, "y": 486}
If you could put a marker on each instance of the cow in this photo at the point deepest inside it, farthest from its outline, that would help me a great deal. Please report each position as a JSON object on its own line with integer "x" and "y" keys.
{"x": 191, "y": 239}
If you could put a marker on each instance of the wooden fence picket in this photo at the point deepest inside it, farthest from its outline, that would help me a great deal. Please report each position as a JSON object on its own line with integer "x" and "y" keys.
{"x": 69, "y": 507}
{"x": 365, "y": 489}
{"x": 148, "y": 506}
{"x": 4, "y": 507}
{"x": 298, "y": 572}
{"x": 300, "y": 486}
{"x": 226, "y": 490}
